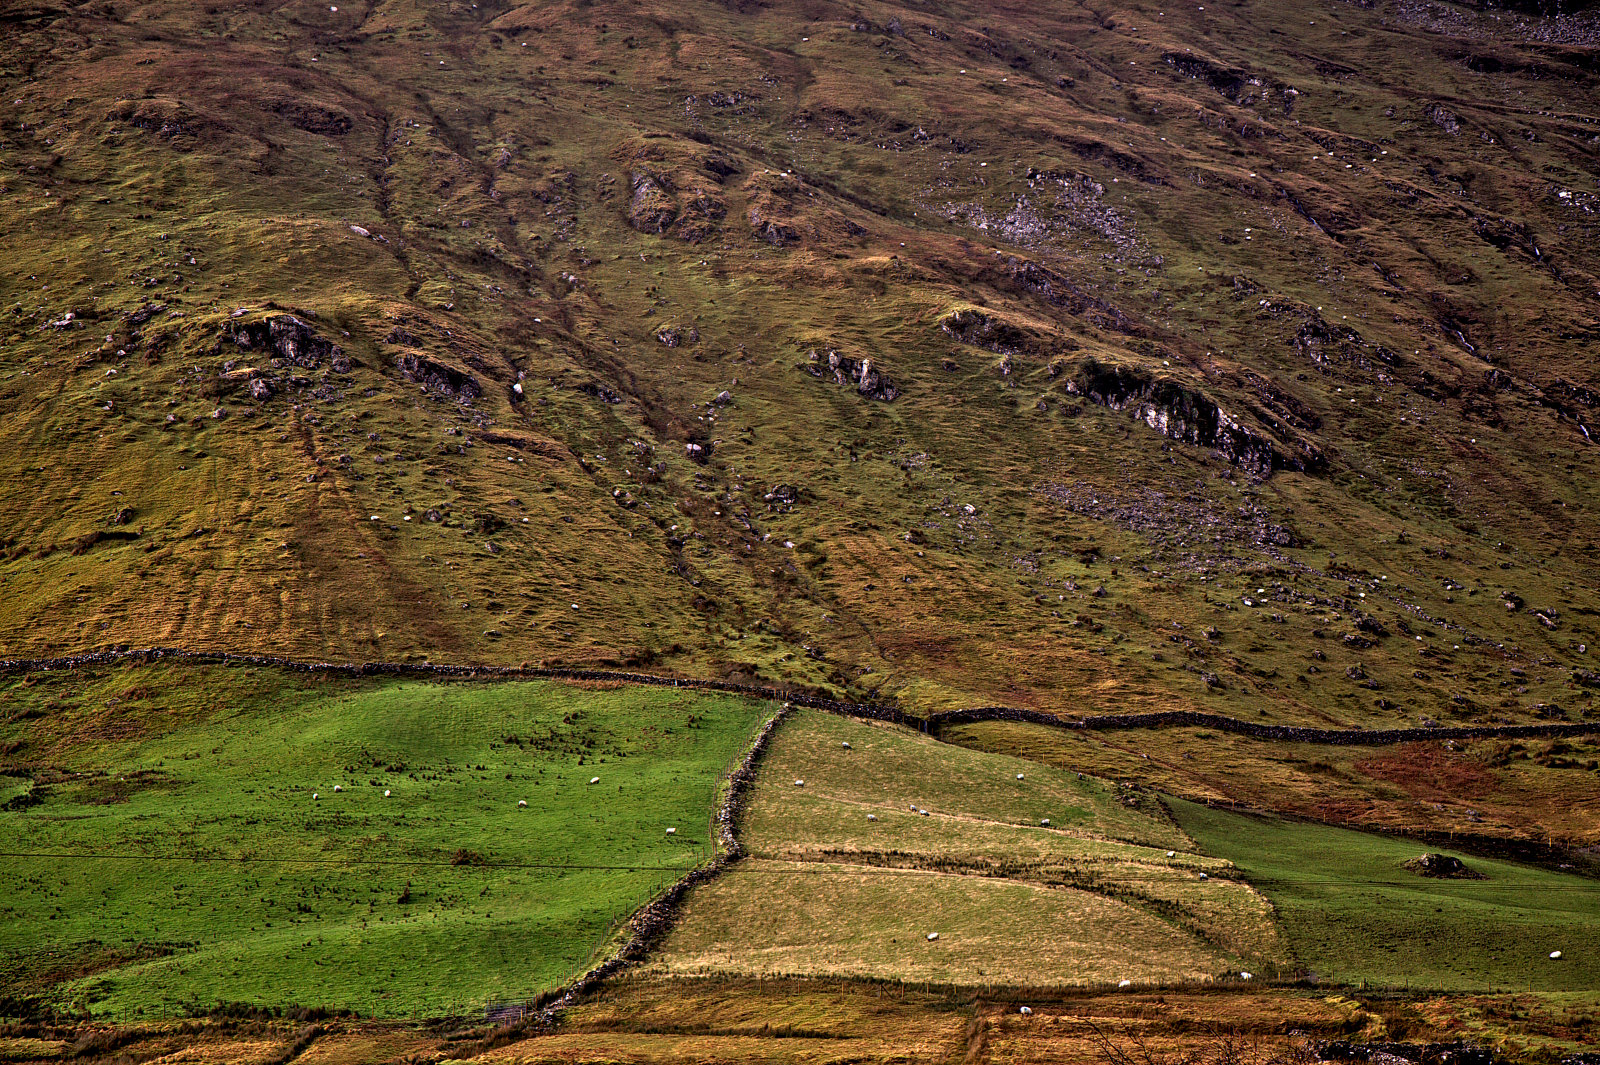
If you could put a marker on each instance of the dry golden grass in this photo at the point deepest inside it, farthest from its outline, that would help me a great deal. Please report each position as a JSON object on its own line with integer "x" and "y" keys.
{"x": 793, "y": 918}
{"x": 1530, "y": 789}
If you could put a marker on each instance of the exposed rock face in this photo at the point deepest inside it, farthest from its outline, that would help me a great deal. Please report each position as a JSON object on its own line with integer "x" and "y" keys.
{"x": 1444, "y": 118}
{"x": 1058, "y": 290}
{"x": 988, "y": 331}
{"x": 651, "y": 209}
{"x": 438, "y": 376}
{"x": 771, "y": 228}
{"x": 1183, "y": 413}
{"x": 862, "y": 373}
{"x": 285, "y": 336}
{"x": 1323, "y": 342}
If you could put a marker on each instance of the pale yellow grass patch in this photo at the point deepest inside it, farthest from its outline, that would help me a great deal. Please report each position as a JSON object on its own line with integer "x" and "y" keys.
{"x": 773, "y": 918}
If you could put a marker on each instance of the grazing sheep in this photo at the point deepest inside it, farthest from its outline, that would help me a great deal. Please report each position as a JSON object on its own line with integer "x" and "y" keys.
{"x": 594, "y": 780}
{"x": 672, "y": 832}
{"x": 932, "y": 936}
{"x": 1172, "y": 854}
{"x": 872, "y": 817}
{"x": 847, "y": 745}
{"x": 1125, "y": 983}
{"x": 1555, "y": 955}
{"x": 799, "y": 783}
{"x": 1246, "y": 976}
{"x": 1045, "y": 821}
{"x": 1019, "y": 776}
{"x": 338, "y": 787}
{"x": 385, "y": 793}
{"x": 521, "y": 803}
{"x": 1025, "y": 1011}
{"x": 314, "y": 795}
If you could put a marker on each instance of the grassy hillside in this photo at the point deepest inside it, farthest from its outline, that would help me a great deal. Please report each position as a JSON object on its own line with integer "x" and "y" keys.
{"x": 358, "y": 847}
{"x": 1266, "y": 321}
{"x": 1539, "y": 789}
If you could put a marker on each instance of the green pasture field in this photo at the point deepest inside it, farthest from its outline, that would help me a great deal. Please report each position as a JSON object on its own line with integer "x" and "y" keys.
{"x": 1353, "y": 914}
{"x": 206, "y": 857}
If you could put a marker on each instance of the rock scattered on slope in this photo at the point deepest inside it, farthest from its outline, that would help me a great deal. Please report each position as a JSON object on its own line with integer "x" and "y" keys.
{"x": 1442, "y": 867}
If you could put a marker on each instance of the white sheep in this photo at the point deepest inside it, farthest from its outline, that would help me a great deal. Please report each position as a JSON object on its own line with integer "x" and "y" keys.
{"x": 1044, "y": 821}
{"x": 872, "y": 817}
{"x": 1246, "y": 976}
{"x": 1555, "y": 955}
{"x": 1125, "y": 983}
{"x": 846, "y": 745}
{"x": 594, "y": 780}
{"x": 672, "y": 832}
{"x": 314, "y": 795}
{"x": 1025, "y": 1011}
{"x": 932, "y": 936}
{"x": 1019, "y": 777}
{"x": 385, "y": 793}
{"x": 799, "y": 783}
{"x": 1172, "y": 854}
{"x": 521, "y": 803}
{"x": 338, "y": 787}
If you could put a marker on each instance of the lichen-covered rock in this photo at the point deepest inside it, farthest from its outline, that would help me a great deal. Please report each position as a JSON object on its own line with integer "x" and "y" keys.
{"x": 439, "y": 376}
{"x": 285, "y": 336}
{"x": 863, "y": 374}
{"x": 651, "y": 210}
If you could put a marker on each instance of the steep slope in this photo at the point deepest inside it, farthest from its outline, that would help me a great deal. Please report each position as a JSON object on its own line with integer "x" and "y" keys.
{"x": 1238, "y": 356}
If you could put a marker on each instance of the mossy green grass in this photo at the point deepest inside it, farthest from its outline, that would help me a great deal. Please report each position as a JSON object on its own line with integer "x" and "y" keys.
{"x": 1353, "y": 914}
{"x": 359, "y": 849}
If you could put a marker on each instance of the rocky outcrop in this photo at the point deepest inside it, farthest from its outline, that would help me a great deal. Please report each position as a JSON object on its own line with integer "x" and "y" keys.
{"x": 1238, "y": 86}
{"x": 1181, "y": 412}
{"x": 438, "y": 376}
{"x": 863, "y": 374}
{"x": 284, "y": 336}
{"x": 1459, "y": 1053}
{"x": 314, "y": 118}
{"x": 771, "y": 226}
{"x": 981, "y": 330}
{"x": 1442, "y": 867}
{"x": 1059, "y": 291}
{"x": 675, "y": 336}
{"x": 651, "y": 209}
{"x": 1323, "y": 342}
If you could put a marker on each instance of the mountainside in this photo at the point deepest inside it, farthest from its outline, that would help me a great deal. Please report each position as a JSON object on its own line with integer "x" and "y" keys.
{"x": 1236, "y": 357}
